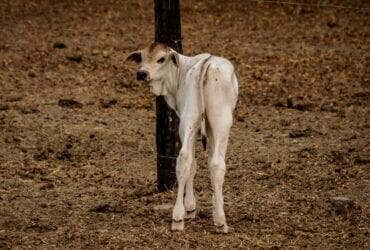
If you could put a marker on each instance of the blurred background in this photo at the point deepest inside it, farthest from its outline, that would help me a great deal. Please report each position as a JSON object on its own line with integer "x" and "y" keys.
{"x": 77, "y": 142}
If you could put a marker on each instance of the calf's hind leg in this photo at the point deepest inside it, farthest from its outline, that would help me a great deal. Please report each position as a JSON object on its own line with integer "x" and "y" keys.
{"x": 220, "y": 127}
{"x": 183, "y": 171}
{"x": 190, "y": 201}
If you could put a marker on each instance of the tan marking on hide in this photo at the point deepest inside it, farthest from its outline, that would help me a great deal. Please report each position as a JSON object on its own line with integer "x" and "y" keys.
{"x": 154, "y": 48}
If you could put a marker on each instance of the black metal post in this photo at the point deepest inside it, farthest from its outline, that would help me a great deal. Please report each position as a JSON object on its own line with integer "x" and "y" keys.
{"x": 168, "y": 31}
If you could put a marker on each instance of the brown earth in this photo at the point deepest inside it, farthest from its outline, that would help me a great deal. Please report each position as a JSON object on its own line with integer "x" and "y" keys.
{"x": 77, "y": 143}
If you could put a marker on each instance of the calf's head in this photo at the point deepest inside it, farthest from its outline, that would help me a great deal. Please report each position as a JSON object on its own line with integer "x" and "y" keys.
{"x": 156, "y": 63}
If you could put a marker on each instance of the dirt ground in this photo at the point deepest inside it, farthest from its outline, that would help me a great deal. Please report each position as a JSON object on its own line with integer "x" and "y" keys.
{"x": 77, "y": 142}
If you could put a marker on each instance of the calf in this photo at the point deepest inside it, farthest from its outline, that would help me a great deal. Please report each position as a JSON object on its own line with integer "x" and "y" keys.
{"x": 203, "y": 91}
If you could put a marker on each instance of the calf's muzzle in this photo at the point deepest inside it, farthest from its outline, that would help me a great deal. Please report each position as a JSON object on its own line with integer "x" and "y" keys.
{"x": 142, "y": 75}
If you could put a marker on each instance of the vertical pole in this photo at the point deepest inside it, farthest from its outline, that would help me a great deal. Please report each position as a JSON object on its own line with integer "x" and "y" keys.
{"x": 167, "y": 31}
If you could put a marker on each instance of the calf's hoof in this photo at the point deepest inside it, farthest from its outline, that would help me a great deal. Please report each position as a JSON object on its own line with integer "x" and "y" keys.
{"x": 223, "y": 229}
{"x": 177, "y": 225}
{"x": 191, "y": 214}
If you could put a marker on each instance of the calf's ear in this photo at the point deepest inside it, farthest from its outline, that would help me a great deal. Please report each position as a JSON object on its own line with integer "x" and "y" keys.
{"x": 175, "y": 58}
{"x": 134, "y": 57}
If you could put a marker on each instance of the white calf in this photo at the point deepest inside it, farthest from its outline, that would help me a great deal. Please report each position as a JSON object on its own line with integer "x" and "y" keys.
{"x": 203, "y": 91}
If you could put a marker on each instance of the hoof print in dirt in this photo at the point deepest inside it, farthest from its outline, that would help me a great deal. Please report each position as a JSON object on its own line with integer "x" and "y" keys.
{"x": 303, "y": 106}
{"x": 59, "y": 45}
{"x": 69, "y": 103}
{"x": 361, "y": 98}
{"x": 32, "y": 74}
{"x": 43, "y": 155}
{"x": 26, "y": 110}
{"x": 74, "y": 58}
{"x": 331, "y": 23}
{"x": 280, "y": 104}
{"x": 298, "y": 105}
{"x": 65, "y": 155}
{"x": 40, "y": 157}
{"x": 362, "y": 160}
{"x": 308, "y": 132}
{"x": 240, "y": 118}
{"x": 306, "y": 153}
{"x": 4, "y": 107}
{"x": 284, "y": 123}
{"x": 14, "y": 98}
{"x": 47, "y": 186}
{"x": 107, "y": 208}
{"x": 298, "y": 134}
{"x": 43, "y": 205}
{"x": 41, "y": 228}
{"x": 108, "y": 103}
{"x": 340, "y": 205}
{"x": 329, "y": 107}
{"x": 124, "y": 84}
{"x": 203, "y": 214}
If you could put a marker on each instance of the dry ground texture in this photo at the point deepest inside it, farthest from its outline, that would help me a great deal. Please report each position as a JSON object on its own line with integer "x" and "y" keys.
{"x": 77, "y": 142}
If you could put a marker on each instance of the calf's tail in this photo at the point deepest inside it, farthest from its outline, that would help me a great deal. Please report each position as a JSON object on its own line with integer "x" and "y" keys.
{"x": 202, "y": 80}
{"x": 203, "y": 132}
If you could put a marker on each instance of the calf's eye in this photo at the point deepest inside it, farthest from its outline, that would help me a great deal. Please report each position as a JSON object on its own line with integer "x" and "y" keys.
{"x": 160, "y": 60}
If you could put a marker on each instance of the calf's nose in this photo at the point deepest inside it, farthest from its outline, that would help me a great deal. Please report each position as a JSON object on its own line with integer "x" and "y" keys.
{"x": 141, "y": 75}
